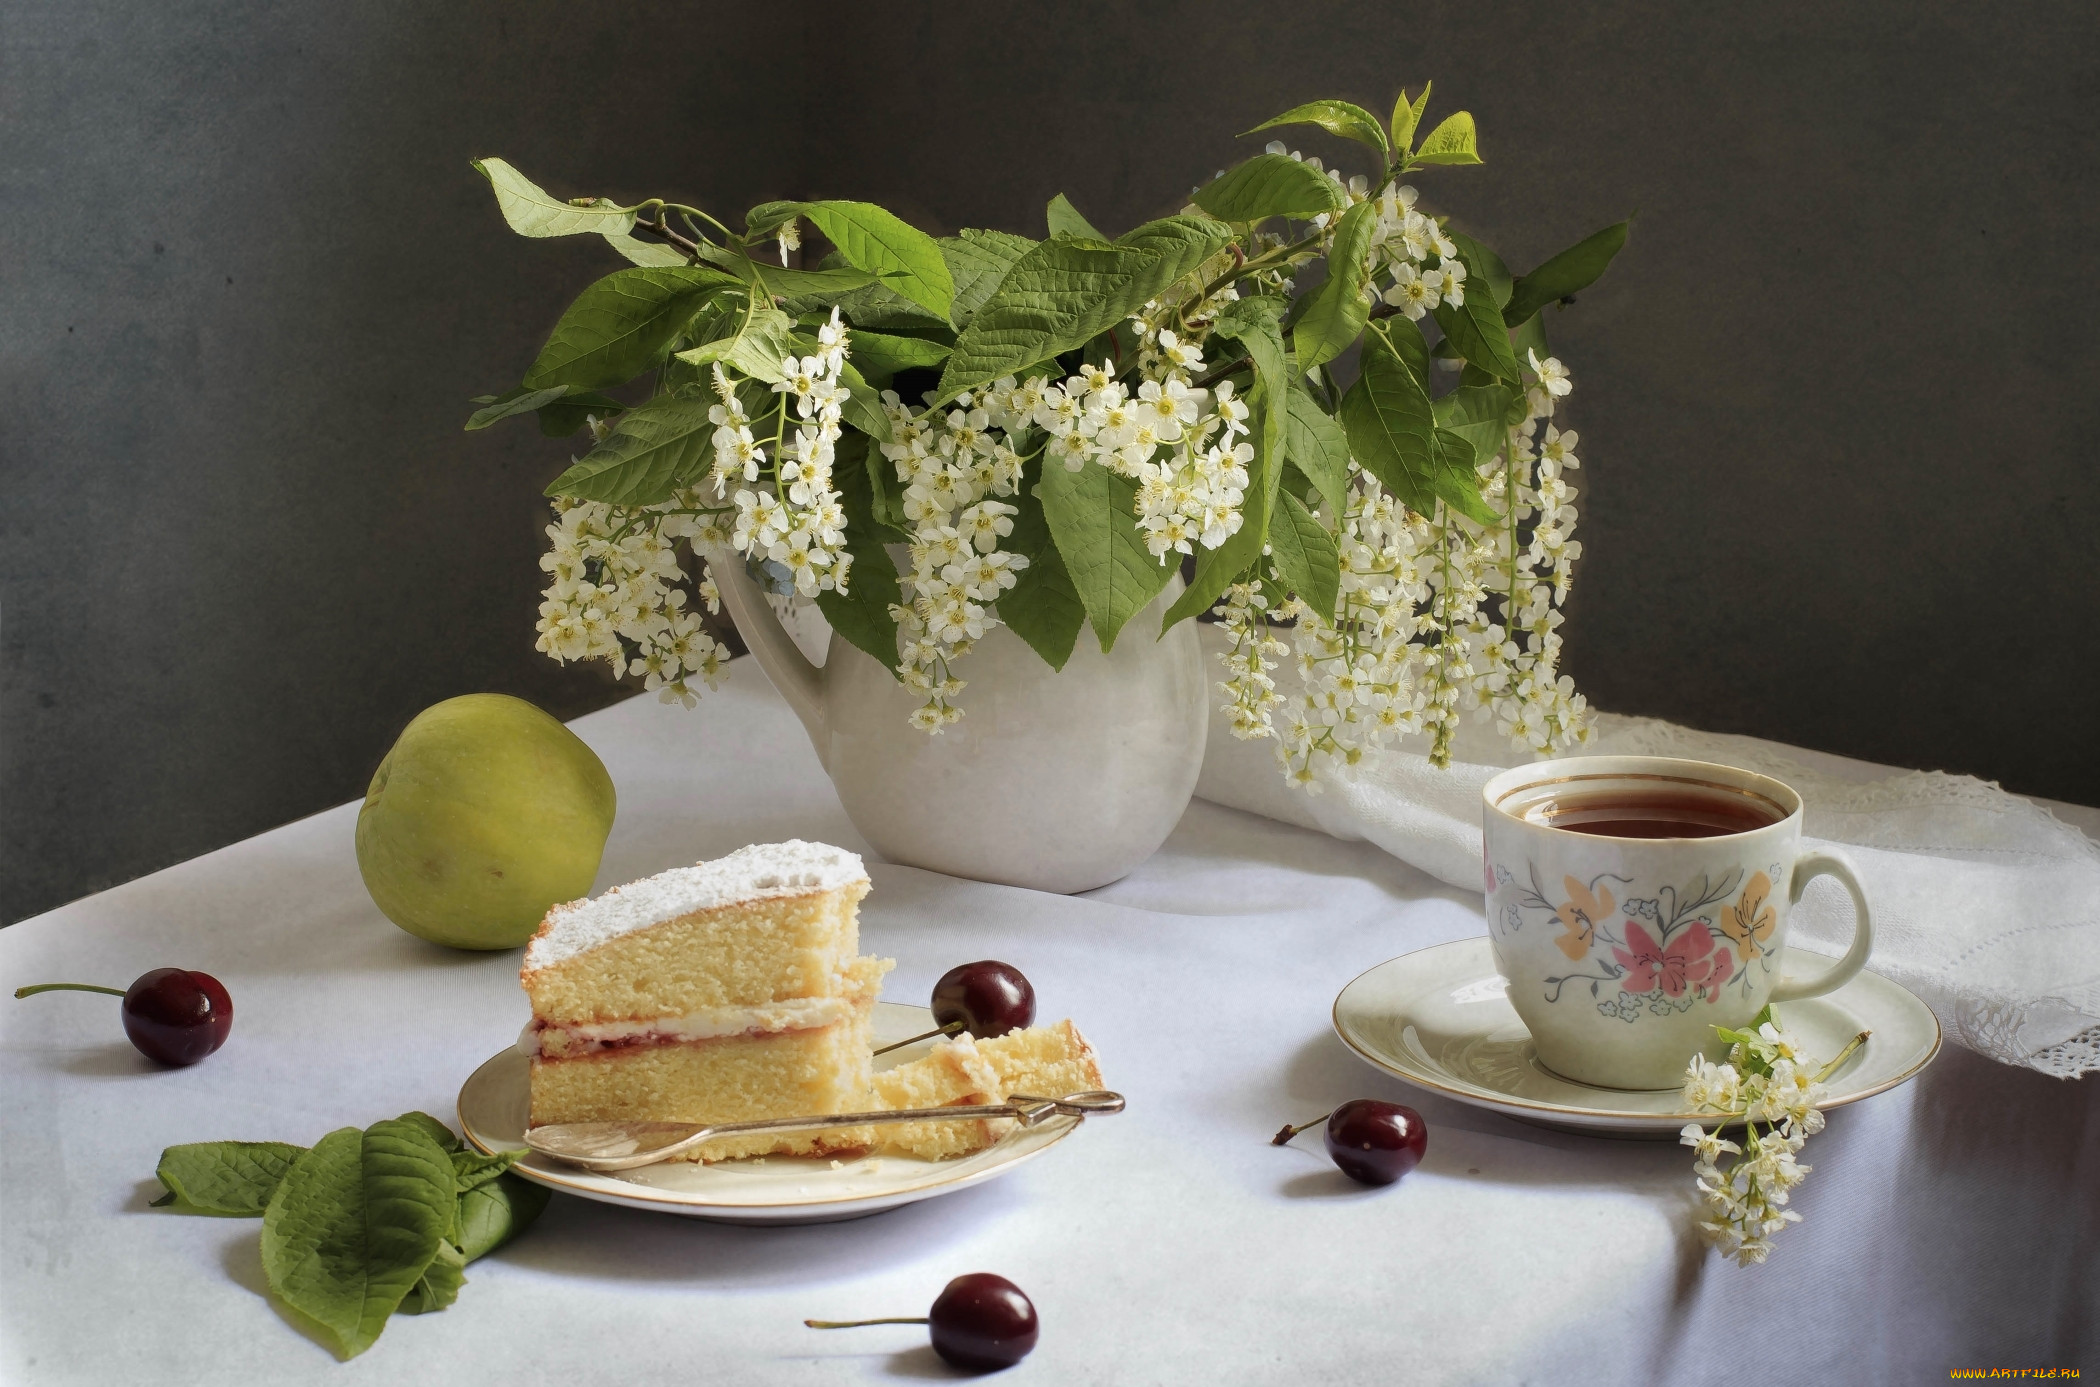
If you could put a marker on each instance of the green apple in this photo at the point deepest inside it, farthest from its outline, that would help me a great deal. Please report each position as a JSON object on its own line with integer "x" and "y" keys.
{"x": 486, "y": 812}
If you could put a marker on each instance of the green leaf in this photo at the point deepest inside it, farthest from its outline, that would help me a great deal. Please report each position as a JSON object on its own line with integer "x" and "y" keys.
{"x": 1452, "y": 142}
{"x": 1271, "y": 185}
{"x": 757, "y": 348}
{"x": 439, "y": 1284}
{"x": 1531, "y": 337}
{"x": 1479, "y": 414}
{"x": 1253, "y": 323}
{"x": 491, "y": 1214}
{"x": 877, "y": 306}
{"x": 1454, "y": 479}
{"x": 1092, "y": 518}
{"x": 230, "y": 1179}
{"x": 447, "y": 1140}
{"x": 1316, "y": 443}
{"x": 1064, "y": 220}
{"x": 1388, "y": 418}
{"x": 472, "y": 1169}
{"x": 1472, "y": 252}
{"x": 354, "y": 1225}
{"x": 654, "y": 449}
{"x": 863, "y": 407}
{"x": 653, "y": 254}
{"x": 1335, "y": 117}
{"x": 562, "y": 417}
{"x": 1336, "y": 312}
{"x": 1062, "y": 294}
{"x": 1574, "y": 269}
{"x": 1407, "y": 116}
{"x": 620, "y": 326}
{"x": 1218, "y": 569}
{"x": 803, "y": 288}
{"x": 1475, "y": 328}
{"x": 878, "y": 356}
{"x": 768, "y": 217}
{"x": 1305, "y": 554}
{"x": 532, "y": 212}
{"x": 902, "y": 256}
{"x": 519, "y": 401}
{"x": 1042, "y": 607}
{"x": 977, "y": 262}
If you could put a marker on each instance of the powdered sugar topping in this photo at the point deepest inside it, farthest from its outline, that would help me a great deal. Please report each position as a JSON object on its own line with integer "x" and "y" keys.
{"x": 760, "y": 872}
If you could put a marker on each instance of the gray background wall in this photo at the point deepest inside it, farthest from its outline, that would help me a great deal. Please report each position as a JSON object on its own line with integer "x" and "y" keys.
{"x": 1831, "y": 399}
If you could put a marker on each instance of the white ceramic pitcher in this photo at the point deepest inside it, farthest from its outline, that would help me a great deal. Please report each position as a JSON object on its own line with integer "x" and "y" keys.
{"x": 1053, "y": 780}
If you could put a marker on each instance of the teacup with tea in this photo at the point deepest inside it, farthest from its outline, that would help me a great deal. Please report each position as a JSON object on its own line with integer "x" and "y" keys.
{"x": 1637, "y": 902}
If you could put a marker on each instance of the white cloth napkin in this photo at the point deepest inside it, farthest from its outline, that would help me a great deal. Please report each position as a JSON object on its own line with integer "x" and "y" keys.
{"x": 1986, "y": 905}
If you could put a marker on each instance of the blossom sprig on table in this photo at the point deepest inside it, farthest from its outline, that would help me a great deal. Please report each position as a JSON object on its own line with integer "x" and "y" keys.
{"x": 1049, "y": 431}
{"x": 1768, "y": 1079}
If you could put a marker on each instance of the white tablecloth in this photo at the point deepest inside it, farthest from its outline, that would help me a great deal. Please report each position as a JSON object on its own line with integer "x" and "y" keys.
{"x": 1952, "y": 1223}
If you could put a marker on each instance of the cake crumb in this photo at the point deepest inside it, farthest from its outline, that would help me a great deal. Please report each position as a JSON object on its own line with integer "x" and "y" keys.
{"x": 838, "y": 1165}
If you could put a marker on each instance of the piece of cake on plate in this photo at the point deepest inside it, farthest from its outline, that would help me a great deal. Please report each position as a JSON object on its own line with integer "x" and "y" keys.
{"x": 722, "y": 992}
{"x": 1042, "y": 1061}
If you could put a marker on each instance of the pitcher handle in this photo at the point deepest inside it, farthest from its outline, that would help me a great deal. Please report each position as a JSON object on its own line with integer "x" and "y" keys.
{"x": 798, "y": 681}
{"x": 1809, "y": 866}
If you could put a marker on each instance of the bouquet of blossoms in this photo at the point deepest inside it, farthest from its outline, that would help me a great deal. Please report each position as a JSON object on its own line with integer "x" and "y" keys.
{"x": 1049, "y": 431}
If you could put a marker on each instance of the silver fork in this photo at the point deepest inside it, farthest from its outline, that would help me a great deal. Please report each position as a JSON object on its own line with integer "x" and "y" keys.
{"x": 628, "y": 1145}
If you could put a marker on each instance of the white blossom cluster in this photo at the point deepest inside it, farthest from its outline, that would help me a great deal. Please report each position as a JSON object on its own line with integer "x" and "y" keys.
{"x": 1416, "y": 641}
{"x": 1767, "y": 1080}
{"x": 617, "y": 592}
{"x": 786, "y": 511}
{"x": 954, "y": 467}
{"x": 1185, "y": 447}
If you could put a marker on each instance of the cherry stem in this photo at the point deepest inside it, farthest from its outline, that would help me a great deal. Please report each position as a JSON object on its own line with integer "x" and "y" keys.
{"x": 856, "y": 1324}
{"x": 1842, "y": 1055}
{"x": 1283, "y": 1137}
{"x": 950, "y": 1029}
{"x": 67, "y": 987}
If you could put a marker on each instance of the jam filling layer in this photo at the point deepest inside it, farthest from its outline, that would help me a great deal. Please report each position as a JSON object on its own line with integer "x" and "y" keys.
{"x": 571, "y": 1040}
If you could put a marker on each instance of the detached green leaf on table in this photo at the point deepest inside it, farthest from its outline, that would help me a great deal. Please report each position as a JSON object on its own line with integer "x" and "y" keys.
{"x": 1569, "y": 272}
{"x": 532, "y": 211}
{"x": 354, "y": 1225}
{"x": 1271, "y": 185}
{"x": 231, "y": 1179}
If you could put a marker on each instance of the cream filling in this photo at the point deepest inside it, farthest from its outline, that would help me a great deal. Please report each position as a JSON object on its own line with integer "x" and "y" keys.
{"x": 708, "y": 1023}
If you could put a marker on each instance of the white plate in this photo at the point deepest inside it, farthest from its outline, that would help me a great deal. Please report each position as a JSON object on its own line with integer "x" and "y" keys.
{"x": 776, "y": 1189}
{"x": 1439, "y": 1018}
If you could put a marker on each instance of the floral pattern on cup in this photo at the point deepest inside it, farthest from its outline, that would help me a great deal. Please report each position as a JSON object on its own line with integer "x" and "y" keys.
{"x": 1651, "y": 955}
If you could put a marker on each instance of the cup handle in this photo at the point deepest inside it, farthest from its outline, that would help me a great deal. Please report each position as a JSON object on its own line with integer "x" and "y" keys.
{"x": 1807, "y": 868}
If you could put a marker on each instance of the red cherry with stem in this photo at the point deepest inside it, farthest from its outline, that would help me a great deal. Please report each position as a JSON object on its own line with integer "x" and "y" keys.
{"x": 1370, "y": 1141}
{"x": 979, "y": 1322}
{"x": 987, "y": 998}
{"x": 174, "y": 1016}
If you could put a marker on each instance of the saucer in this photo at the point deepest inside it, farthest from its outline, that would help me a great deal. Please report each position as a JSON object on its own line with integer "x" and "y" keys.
{"x": 495, "y": 1100}
{"x": 1439, "y": 1018}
